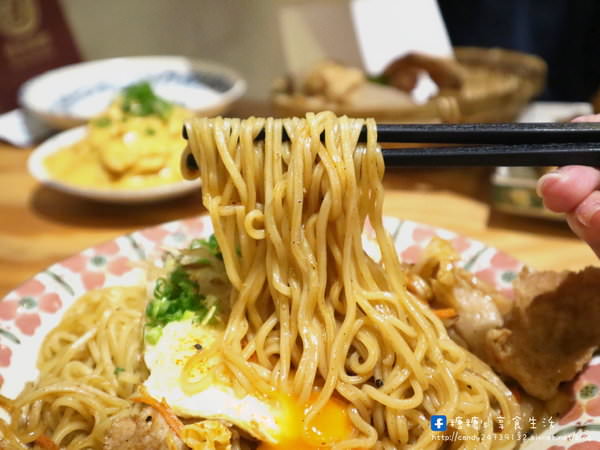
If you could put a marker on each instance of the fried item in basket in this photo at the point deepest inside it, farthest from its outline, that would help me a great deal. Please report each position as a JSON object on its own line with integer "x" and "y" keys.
{"x": 403, "y": 72}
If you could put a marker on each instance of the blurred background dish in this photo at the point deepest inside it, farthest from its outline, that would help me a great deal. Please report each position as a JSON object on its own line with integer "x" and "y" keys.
{"x": 72, "y": 95}
{"x": 37, "y": 167}
{"x": 514, "y": 188}
{"x": 514, "y": 192}
{"x": 479, "y": 85}
{"x": 129, "y": 153}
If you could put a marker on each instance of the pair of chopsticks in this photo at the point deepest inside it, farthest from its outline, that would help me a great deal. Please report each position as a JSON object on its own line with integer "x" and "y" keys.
{"x": 487, "y": 144}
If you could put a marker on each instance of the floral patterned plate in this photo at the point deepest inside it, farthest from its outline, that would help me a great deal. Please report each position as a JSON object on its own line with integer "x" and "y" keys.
{"x": 30, "y": 311}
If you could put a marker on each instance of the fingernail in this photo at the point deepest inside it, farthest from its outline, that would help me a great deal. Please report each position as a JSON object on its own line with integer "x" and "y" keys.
{"x": 587, "y": 210}
{"x": 549, "y": 177}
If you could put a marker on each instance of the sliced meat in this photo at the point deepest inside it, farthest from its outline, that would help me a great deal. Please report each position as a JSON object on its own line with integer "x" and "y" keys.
{"x": 477, "y": 314}
{"x": 551, "y": 332}
{"x": 479, "y": 307}
{"x": 145, "y": 430}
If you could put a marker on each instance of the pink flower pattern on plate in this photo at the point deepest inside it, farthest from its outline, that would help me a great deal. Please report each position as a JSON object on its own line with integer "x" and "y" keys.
{"x": 421, "y": 234}
{"x": 587, "y": 394}
{"x": 412, "y": 254}
{"x": 588, "y": 445}
{"x": 5, "y": 355}
{"x": 8, "y": 309}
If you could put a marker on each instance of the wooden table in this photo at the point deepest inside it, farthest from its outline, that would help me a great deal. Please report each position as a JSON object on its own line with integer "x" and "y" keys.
{"x": 39, "y": 226}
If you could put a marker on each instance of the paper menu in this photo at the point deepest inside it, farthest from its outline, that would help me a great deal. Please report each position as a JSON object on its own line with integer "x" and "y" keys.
{"x": 362, "y": 33}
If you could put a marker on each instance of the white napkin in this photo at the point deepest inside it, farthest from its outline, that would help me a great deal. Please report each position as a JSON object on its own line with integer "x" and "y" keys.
{"x": 554, "y": 111}
{"x": 21, "y": 129}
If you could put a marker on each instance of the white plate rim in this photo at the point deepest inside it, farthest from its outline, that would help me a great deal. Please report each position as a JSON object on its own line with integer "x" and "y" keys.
{"x": 28, "y": 99}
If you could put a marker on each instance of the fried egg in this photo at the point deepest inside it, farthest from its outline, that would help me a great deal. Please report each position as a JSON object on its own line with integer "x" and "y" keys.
{"x": 277, "y": 421}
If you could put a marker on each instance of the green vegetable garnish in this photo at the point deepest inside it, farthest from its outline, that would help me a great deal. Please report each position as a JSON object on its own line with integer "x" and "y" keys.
{"x": 211, "y": 245}
{"x": 102, "y": 122}
{"x": 150, "y": 131}
{"x": 379, "y": 79}
{"x": 118, "y": 370}
{"x": 153, "y": 334}
{"x": 203, "y": 261}
{"x": 174, "y": 295}
{"x": 178, "y": 297}
{"x": 140, "y": 100}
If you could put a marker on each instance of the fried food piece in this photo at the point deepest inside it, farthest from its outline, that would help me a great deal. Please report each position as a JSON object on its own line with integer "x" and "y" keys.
{"x": 146, "y": 430}
{"x": 333, "y": 81}
{"x": 403, "y": 72}
{"x": 551, "y": 332}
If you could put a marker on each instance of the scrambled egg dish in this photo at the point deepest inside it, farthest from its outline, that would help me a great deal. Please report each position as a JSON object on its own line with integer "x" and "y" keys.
{"x": 135, "y": 144}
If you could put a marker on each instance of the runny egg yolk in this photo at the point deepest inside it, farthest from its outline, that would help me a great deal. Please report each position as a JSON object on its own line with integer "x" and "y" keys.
{"x": 330, "y": 425}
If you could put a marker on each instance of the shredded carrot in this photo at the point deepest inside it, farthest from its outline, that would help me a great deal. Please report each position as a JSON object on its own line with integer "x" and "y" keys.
{"x": 45, "y": 442}
{"x": 445, "y": 313}
{"x": 164, "y": 409}
{"x": 516, "y": 392}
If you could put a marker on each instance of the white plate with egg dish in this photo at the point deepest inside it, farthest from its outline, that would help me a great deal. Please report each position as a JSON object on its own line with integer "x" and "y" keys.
{"x": 129, "y": 153}
{"x": 295, "y": 315}
{"x": 74, "y": 94}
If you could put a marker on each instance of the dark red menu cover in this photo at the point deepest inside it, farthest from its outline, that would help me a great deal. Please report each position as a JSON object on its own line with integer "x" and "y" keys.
{"x": 34, "y": 37}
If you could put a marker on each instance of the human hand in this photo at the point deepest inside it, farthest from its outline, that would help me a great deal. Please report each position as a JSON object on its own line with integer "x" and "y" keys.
{"x": 575, "y": 191}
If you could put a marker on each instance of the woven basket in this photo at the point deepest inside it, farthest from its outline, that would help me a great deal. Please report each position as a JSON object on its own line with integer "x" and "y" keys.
{"x": 498, "y": 84}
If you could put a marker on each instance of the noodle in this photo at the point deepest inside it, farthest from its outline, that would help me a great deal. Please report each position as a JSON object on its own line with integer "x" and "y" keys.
{"x": 309, "y": 308}
{"x": 89, "y": 365}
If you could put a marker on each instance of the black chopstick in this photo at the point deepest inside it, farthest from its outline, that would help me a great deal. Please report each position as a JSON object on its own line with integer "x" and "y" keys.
{"x": 526, "y": 155}
{"x": 488, "y": 133}
{"x": 481, "y": 133}
{"x": 504, "y": 144}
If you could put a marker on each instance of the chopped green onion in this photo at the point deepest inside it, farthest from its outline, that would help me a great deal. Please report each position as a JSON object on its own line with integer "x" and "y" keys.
{"x": 118, "y": 370}
{"x": 102, "y": 122}
{"x": 379, "y": 79}
{"x": 153, "y": 334}
{"x": 140, "y": 100}
{"x": 178, "y": 297}
{"x": 211, "y": 245}
{"x": 209, "y": 316}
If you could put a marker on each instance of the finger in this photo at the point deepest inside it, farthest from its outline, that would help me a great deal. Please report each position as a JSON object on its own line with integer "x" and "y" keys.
{"x": 589, "y": 233}
{"x": 588, "y": 209}
{"x": 588, "y": 118}
{"x": 564, "y": 189}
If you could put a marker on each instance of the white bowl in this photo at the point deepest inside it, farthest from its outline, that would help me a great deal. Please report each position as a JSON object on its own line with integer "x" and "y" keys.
{"x": 72, "y": 95}
{"x": 35, "y": 165}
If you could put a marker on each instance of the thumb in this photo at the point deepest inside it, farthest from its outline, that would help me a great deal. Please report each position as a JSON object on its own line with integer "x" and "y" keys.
{"x": 590, "y": 232}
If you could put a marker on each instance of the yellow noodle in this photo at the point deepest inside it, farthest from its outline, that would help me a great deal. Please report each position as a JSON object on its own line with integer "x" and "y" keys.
{"x": 309, "y": 305}
{"x": 86, "y": 372}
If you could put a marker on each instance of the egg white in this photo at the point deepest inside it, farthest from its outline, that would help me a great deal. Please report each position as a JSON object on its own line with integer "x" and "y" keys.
{"x": 166, "y": 360}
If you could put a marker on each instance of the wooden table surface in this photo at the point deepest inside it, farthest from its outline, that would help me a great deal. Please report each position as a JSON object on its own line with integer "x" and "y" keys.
{"x": 40, "y": 226}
